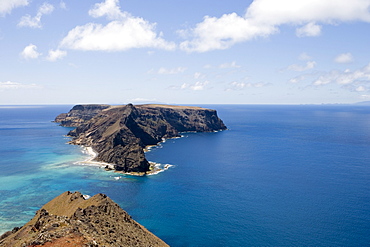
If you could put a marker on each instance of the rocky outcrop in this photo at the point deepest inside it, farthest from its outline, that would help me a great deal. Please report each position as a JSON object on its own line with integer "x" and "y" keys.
{"x": 79, "y": 114}
{"x": 72, "y": 220}
{"x": 119, "y": 134}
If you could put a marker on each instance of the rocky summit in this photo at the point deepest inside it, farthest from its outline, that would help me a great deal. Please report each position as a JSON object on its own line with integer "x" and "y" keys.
{"x": 72, "y": 220}
{"x": 119, "y": 134}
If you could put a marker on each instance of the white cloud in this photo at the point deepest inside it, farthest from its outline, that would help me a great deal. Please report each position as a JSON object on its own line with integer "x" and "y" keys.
{"x": 237, "y": 85}
{"x": 6, "y": 6}
{"x": 304, "y": 56}
{"x": 221, "y": 33}
{"x": 241, "y": 85}
{"x": 110, "y": 8}
{"x": 142, "y": 100}
{"x": 263, "y": 18}
{"x": 309, "y": 30}
{"x": 360, "y": 89}
{"x": 196, "y": 86}
{"x": 164, "y": 71}
{"x": 35, "y": 22}
{"x": 16, "y": 85}
{"x": 62, "y": 5}
{"x": 309, "y": 65}
{"x": 365, "y": 96}
{"x": 30, "y": 52}
{"x": 55, "y": 55}
{"x": 115, "y": 36}
{"x": 198, "y": 75}
{"x": 345, "y": 77}
{"x": 122, "y": 33}
{"x": 258, "y": 84}
{"x": 297, "y": 79}
{"x": 344, "y": 58}
{"x": 229, "y": 65}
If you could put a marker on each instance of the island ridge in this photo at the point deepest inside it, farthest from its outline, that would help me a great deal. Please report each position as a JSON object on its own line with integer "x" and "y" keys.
{"x": 120, "y": 134}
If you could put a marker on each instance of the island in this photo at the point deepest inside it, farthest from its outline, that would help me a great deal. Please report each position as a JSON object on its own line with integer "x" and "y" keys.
{"x": 120, "y": 134}
{"x": 74, "y": 219}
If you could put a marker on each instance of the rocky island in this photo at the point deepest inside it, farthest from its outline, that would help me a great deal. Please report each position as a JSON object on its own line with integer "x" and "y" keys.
{"x": 72, "y": 219}
{"x": 120, "y": 134}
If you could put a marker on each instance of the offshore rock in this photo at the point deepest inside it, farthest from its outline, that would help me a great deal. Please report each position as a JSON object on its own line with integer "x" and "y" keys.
{"x": 72, "y": 220}
{"x": 119, "y": 134}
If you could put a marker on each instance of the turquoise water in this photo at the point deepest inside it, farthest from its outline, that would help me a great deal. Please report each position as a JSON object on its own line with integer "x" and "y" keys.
{"x": 280, "y": 176}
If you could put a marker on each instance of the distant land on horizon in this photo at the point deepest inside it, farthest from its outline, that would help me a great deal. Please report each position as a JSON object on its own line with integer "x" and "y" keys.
{"x": 179, "y": 104}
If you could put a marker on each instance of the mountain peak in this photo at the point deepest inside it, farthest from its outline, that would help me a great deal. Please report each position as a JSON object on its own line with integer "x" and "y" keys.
{"x": 72, "y": 220}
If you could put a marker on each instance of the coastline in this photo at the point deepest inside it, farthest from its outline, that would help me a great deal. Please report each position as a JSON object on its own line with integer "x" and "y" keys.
{"x": 155, "y": 168}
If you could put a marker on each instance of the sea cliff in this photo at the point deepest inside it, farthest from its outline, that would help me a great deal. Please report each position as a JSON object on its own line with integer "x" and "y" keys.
{"x": 72, "y": 219}
{"x": 119, "y": 134}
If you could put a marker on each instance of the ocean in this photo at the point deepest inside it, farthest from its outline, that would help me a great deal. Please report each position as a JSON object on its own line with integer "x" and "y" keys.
{"x": 292, "y": 175}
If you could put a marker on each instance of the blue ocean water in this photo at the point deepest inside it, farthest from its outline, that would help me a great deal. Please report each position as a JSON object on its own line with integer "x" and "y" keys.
{"x": 280, "y": 176}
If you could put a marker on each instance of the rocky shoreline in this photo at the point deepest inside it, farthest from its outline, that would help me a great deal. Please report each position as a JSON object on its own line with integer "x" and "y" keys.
{"x": 120, "y": 135}
{"x": 154, "y": 168}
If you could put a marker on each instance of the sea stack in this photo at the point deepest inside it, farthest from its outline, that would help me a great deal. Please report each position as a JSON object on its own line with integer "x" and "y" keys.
{"x": 72, "y": 220}
{"x": 119, "y": 134}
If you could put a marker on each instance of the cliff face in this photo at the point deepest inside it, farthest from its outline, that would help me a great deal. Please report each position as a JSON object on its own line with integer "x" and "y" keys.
{"x": 120, "y": 133}
{"x": 79, "y": 114}
{"x": 72, "y": 220}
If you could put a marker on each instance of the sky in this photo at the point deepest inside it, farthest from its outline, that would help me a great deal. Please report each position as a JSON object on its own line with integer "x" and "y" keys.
{"x": 184, "y": 52}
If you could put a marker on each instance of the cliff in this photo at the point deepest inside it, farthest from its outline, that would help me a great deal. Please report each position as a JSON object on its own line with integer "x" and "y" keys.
{"x": 119, "y": 134}
{"x": 72, "y": 220}
{"x": 79, "y": 114}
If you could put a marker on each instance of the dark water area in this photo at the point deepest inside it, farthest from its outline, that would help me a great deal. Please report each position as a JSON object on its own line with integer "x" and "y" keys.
{"x": 279, "y": 176}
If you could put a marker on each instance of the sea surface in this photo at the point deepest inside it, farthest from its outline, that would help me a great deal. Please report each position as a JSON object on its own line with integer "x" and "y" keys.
{"x": 279, "y": 176}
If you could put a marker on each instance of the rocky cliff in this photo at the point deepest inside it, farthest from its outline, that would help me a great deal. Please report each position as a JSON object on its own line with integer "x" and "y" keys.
{"x": 79, "y": 114}
{"x": 119, "y": 134}
{"x": 72, "y": 220}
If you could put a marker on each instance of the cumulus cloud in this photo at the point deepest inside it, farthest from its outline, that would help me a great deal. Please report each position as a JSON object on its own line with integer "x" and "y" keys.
{"x": 309, "y": 65}
{"x": 345, "y": 77}
{"x": 164, "y": 71}
{"x": 109, "y": 8}
{"x": 198, "y": 75}
{"x": 344, "y": 58}
{"x": 30, "y": 52}
{"x": 122, "y": 33}
{"x": 237, "y": 85}
{"x": 199, "y": 85}
{"x": 221, "y": 33}
{"x": 241, "y": 85}
{"x": 8, "y": 5}
{"x": 263, "y": 18}
{"x": 229, "y": 65}
{"x": 143, "y": 100}
{"x": 62, "y": 5}
{"x": 309, "y": 30}
{"x": 16, "y": 85}
{"x": 55, "y": 55}
{"x": 35, "y": 22}
{"x": 304, "y": 56}
{"x": 360, "y": 89}
{"x": 297, "y": 79}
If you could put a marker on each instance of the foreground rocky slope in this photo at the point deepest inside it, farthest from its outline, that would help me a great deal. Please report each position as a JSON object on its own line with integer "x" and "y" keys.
{"x": 72, "y": 220}
{"x": 119, "y": 134}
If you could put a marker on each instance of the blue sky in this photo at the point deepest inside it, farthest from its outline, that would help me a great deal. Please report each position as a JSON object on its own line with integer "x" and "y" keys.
{"x": 184, "y": 52}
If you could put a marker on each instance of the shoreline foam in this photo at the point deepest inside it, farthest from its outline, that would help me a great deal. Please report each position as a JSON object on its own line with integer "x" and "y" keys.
{"x": 155, "y": 168}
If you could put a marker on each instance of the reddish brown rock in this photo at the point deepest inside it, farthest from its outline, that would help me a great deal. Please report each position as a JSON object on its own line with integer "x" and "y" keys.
{"x": 71, "y": 220}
